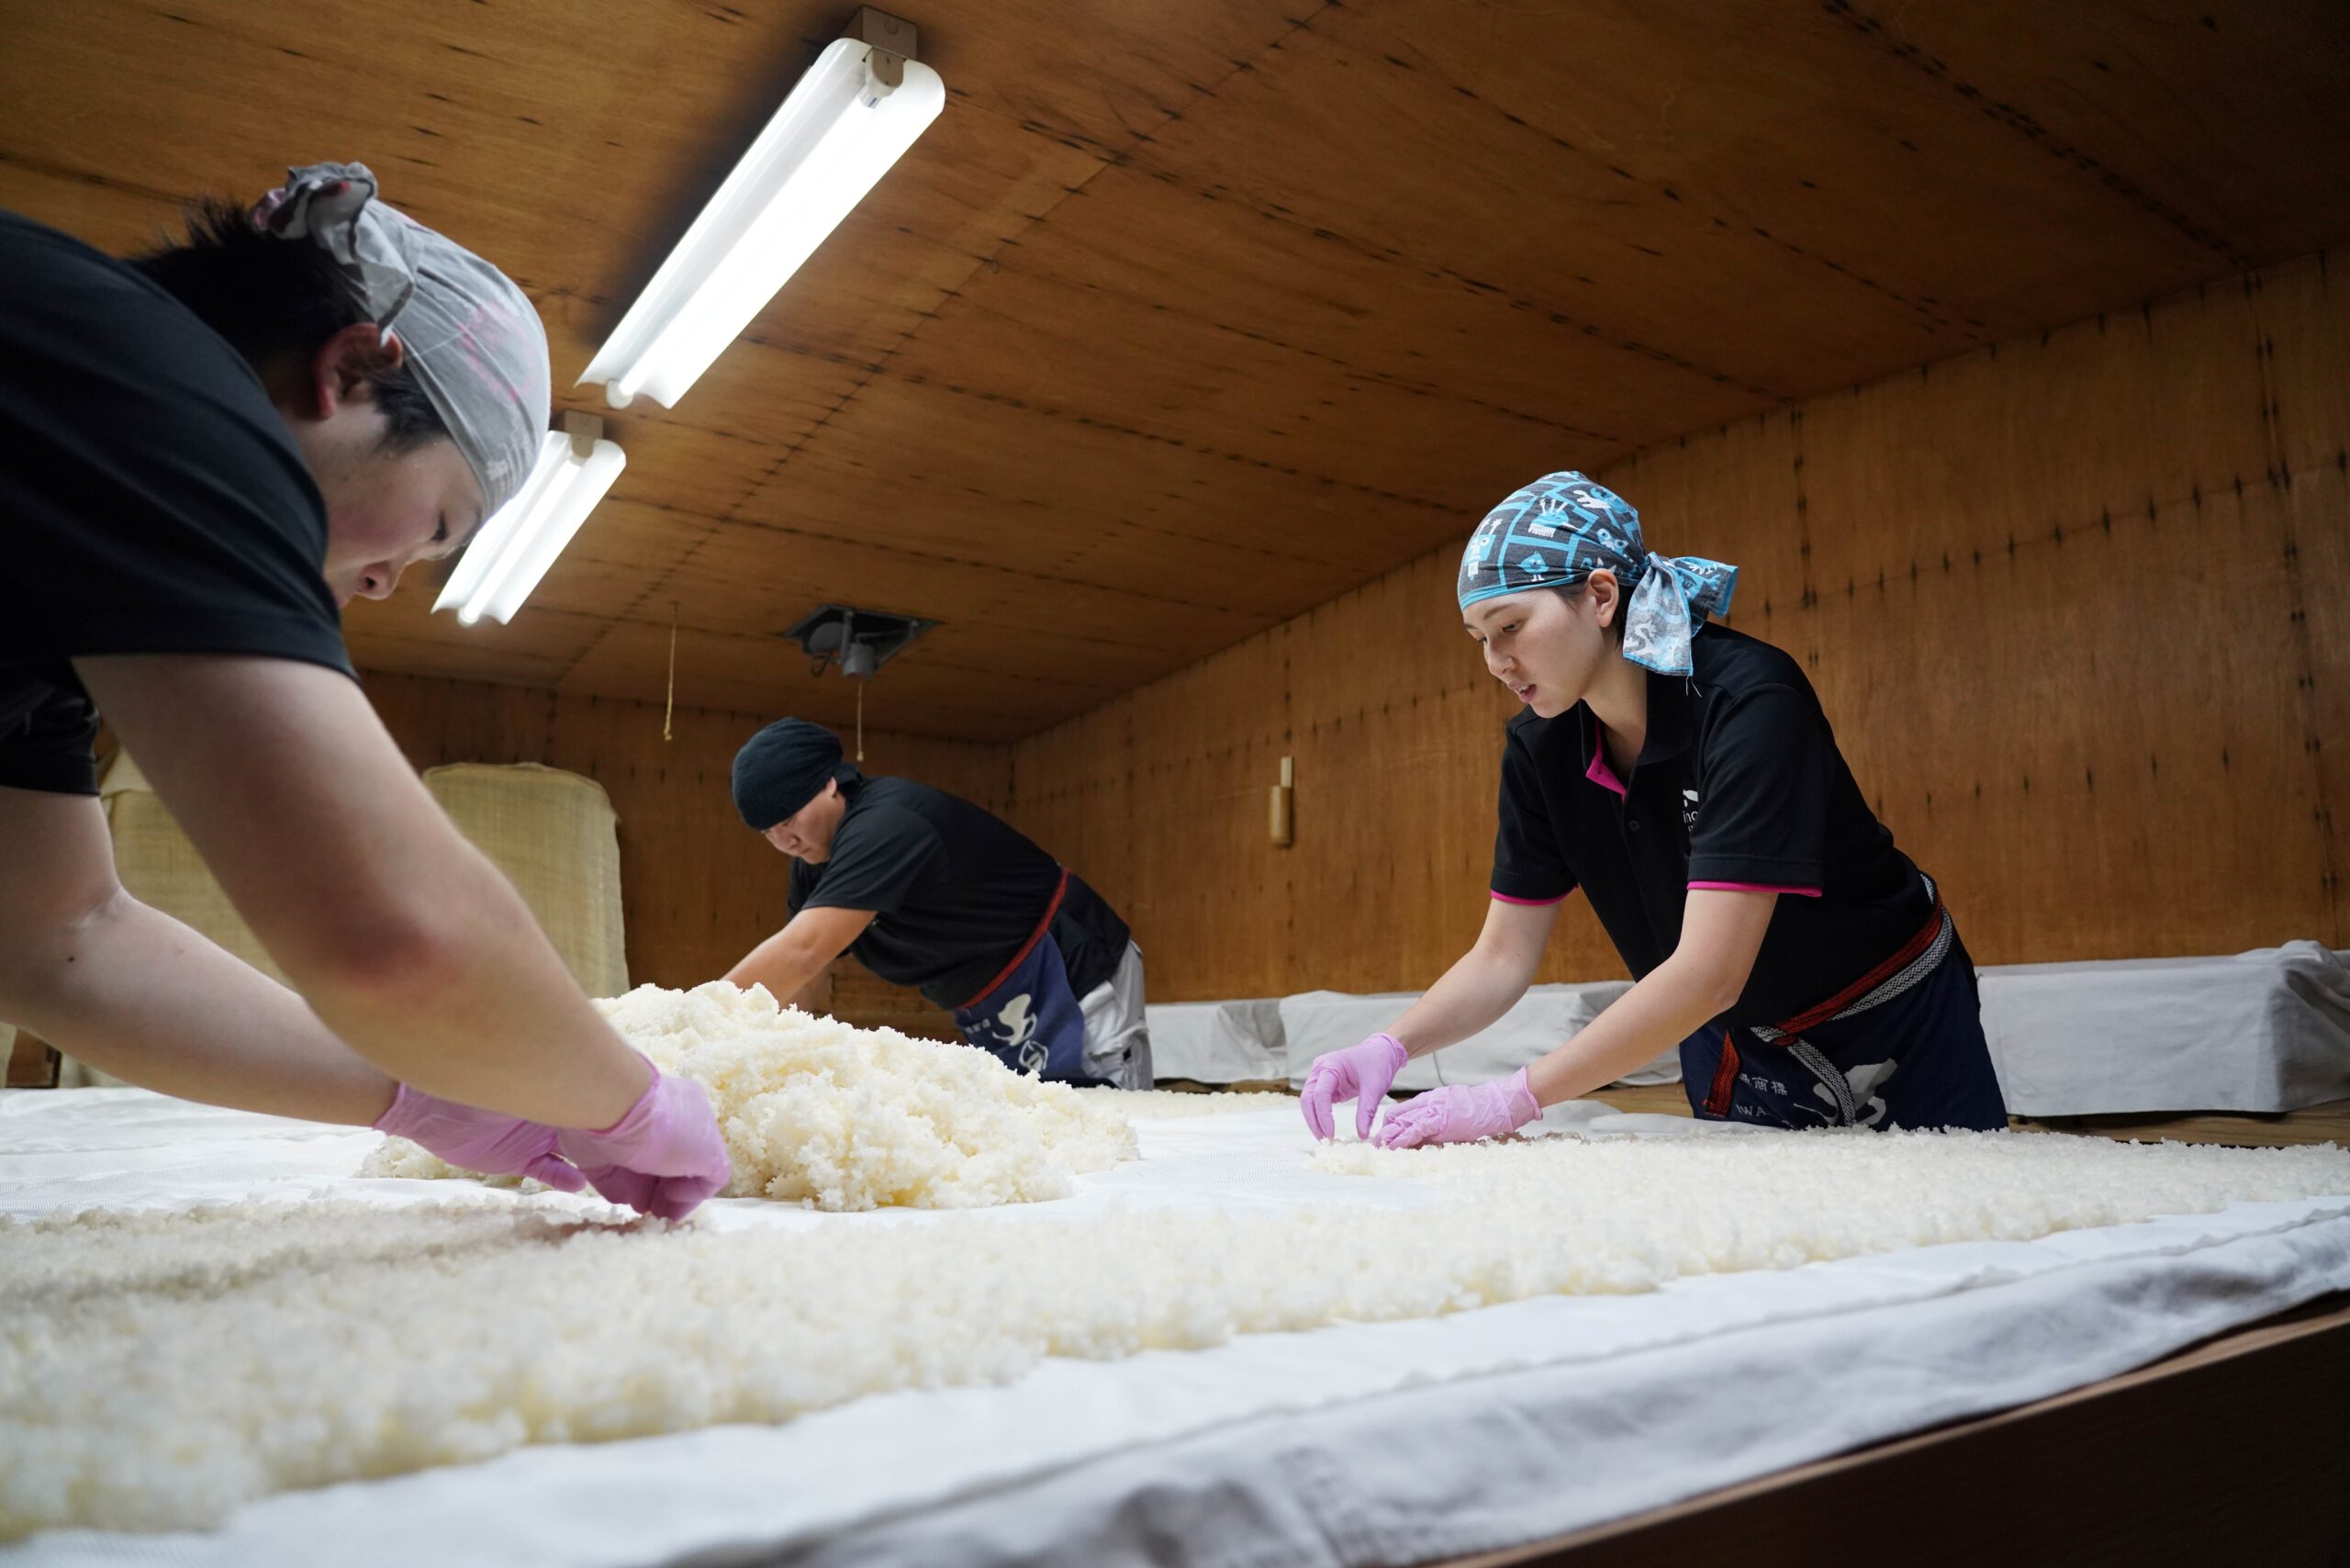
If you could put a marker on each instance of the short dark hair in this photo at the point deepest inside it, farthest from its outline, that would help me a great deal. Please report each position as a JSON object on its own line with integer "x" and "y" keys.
{"x": 273, "y": 298}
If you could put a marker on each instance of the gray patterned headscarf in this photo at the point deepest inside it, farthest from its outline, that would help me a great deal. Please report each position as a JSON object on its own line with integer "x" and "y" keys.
{"x": 1563, "y": 527}
{"x": 474, "y": 339}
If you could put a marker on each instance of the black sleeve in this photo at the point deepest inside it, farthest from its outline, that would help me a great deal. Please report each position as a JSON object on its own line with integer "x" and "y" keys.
{"x": 881, "y": 858}
{"x": 155, "y": 501}
{"x": 1762, "y": 812}
{"x": 1528, "y": 865}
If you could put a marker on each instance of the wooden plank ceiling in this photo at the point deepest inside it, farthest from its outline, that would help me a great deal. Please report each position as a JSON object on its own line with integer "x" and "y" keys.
{"x": 1189, "y": 314}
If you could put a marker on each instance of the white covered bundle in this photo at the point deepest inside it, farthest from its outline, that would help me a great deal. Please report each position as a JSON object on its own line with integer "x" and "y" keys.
{"x": 822, "y": 1113}
{"x": 156, "y": 1369}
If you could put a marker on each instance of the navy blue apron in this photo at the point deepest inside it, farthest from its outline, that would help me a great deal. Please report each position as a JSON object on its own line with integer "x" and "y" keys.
{"x": 1028, "y": 1017}
{"x": 1902, "y": 1047}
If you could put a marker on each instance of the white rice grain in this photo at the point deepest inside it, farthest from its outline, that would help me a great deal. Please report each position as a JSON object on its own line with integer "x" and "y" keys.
{"x": 822, "y": 1113}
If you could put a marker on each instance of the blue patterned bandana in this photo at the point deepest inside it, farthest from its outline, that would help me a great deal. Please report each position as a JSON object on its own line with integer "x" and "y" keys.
{"x": 1563, "y": 527}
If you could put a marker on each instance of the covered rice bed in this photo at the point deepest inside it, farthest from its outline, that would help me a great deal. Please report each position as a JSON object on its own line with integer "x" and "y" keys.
{"x": 1336, "y": 1355}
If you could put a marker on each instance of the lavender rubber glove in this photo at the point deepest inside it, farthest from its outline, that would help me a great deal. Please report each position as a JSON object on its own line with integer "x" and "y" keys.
{"x": 1460, "y": 1114}
{"x": 1361, "y": 1073}
{"x": 662, "y": 1159}
{"x": 488, "y": 1141}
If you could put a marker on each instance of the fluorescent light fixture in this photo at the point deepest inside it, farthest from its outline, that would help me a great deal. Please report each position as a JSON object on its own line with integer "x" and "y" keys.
{"x": 512, "y": 552}
{"x": 851, "y": 117}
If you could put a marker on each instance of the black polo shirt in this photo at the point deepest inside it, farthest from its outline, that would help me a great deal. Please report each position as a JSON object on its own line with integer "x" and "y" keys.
{"x": 151, "y": 499}
{"x": 956, "y": 892}
{"x": 1739, "y": 784}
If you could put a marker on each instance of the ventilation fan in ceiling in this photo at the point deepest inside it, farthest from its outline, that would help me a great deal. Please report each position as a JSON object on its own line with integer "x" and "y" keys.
{"x": 858, "y": 641}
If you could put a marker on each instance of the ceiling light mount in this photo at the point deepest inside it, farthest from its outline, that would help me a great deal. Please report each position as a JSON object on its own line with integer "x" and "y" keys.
{"x": 892, "y": 38}
{"x": 860, "y": 641}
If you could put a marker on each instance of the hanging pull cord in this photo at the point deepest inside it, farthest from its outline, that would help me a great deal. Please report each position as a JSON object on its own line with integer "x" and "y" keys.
{"x": 669, "y": 708}
{"x": 860, "y": 722}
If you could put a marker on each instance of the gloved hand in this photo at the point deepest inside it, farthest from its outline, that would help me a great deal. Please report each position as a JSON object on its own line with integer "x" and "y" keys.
{"x": 662, "y": 1159}
{"x": 1362, "y": 1073}
{"x": 487, "y": 1141}
{"x": 1460, "y": 1114}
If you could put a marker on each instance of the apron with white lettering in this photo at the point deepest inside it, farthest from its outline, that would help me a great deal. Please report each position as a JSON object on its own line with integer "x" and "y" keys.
{"x": 1901, "y": 1047}
{"x": 1027, "y": 1018}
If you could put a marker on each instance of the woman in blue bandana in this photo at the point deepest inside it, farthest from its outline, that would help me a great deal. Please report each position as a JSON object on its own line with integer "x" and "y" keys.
{"x": 1682, "y": 775}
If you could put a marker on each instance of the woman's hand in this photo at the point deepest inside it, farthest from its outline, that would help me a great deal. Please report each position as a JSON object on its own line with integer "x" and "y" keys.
{"x": 1362, "y": 1072}
{"x": 1460, "y": 1114}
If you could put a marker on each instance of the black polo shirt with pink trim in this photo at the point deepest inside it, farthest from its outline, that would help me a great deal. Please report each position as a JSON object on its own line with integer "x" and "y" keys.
{"x": 151, "y": 499}
{"x": 1739, "y": 784}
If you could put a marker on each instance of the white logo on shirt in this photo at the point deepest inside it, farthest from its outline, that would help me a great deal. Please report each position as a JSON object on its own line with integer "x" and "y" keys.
{"x": 1688, "y": 808}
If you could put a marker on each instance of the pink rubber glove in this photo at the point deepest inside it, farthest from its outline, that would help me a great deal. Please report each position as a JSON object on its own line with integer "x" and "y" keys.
{"x": 1460, "y": 1114}
{"x": 1361, "y": 1073}
{"x": 662, "y": 1159}
{"x": 487, "y": 1141}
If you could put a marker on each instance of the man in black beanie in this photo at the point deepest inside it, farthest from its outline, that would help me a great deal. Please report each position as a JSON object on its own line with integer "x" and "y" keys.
{"x": 932, "y": 891}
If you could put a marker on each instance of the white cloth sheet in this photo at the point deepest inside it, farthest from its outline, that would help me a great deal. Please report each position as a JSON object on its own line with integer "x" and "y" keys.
{"x": 1354, "y": 1444}
{"x": 2263, "y": 1031}
{"x": 1219, "y": 1042}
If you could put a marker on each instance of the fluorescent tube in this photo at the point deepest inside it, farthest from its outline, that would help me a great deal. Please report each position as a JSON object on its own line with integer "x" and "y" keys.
{"x": 514, "y": 548}
{"x": 835, "y": 137}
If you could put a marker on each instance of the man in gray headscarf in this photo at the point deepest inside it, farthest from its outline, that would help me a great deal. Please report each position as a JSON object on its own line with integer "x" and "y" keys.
{"x": 211, "y": 449}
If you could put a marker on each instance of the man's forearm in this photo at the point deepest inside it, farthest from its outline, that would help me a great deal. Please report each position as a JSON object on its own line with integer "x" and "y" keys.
{"x": 407, "y": 943}
{"x": 489, "y": 976}
{"x": 783, "y": 963}
{"x": 147, "y": 999}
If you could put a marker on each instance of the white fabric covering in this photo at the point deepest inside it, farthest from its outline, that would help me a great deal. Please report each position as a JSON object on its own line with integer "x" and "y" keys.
{"x": 2263, "y": 1031}
{"x": 1354, "y": 1444}
{"x": 2266, "y": 1031}
{"x": 1219, "y": 1042}
{"x": 1117, "y": 1027}
{"x": 1317, "y": 1020}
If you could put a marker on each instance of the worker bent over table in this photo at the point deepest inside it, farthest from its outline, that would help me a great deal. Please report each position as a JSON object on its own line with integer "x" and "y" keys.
{"x": 1684, "y": 777}
{"x": 209, "y": 450}
{"x": 929, "y": 890}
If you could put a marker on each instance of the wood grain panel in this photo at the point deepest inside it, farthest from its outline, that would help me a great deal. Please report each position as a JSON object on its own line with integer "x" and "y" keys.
{"x": 950, "y": 475}
{"x": 2080, "y": 429}
{"x": 1185, "y": 318}
{"x": 2087, "y": 743}
{"x": 2304, "y": 318}
{"x": 1733, "y": 494}
{"x": 1263, "y": 345}
{"x": 756, "y": 580}
{"x": 2303, "y": 311}
{"x": 1411, "y": 110}
{"x": 762, "y": 673}
{"x": 2224, "y": 80}
{"x": 2317, "y": 519}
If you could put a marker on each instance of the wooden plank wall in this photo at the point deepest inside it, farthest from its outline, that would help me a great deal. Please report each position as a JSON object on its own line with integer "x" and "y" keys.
{"x": 699, "y": 890}
{"x": 2076, "y": 605}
